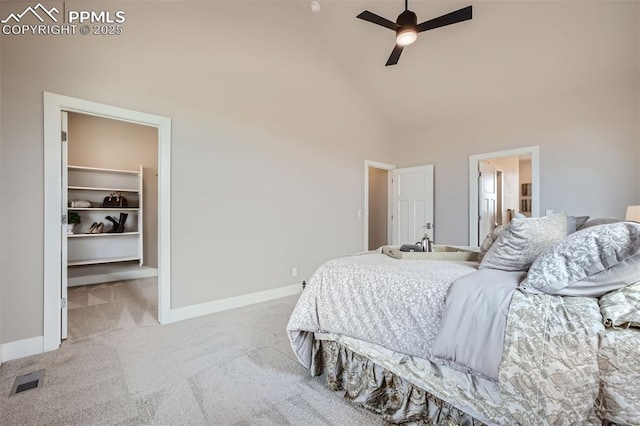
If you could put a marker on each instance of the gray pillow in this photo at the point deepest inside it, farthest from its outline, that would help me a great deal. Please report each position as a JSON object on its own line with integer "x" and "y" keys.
{"x": 621, "y": 308}
{"x": 588, "y": 263}
{"x": 523, "y": 240}
{"x": 598, "y": 221}
{"x": 575, "y": 222}
{"x": 489, "y": 240}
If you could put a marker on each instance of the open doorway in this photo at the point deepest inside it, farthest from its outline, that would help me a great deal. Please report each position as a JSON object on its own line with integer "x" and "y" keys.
{"x": 112, "y": 253}
{"x": 55, "y": 106}
{"x": 409, "y": 209}
{"x": 501, "y": 185}
{"x": 377, "y": 204}
{"x": 498, "y": 184}
{"x": 378, "y": 207}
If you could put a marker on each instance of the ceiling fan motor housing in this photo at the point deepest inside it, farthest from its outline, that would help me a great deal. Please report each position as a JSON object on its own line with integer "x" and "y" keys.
{"x": 406, "y": 26}
{"x": 406, "y": 20}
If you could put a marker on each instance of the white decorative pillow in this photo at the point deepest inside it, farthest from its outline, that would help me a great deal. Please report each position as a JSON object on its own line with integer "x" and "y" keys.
{"x": 621, "y": 308}
{"x": 588, "y": 263}
{"x": 523, "y": 240}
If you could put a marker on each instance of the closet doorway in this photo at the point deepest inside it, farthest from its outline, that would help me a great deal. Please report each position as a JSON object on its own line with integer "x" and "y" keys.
{"x": 112, "y": 253}
{"x": 56, "y": 108}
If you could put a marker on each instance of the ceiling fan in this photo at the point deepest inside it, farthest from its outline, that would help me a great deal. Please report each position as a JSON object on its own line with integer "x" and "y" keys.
{"x": 407, "y": 27}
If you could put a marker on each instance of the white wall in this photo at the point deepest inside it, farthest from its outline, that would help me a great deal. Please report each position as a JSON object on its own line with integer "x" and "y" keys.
{"x": 268, "y": 139}
{"x": 101, "y": 142}
{"x": 378, "y": 207}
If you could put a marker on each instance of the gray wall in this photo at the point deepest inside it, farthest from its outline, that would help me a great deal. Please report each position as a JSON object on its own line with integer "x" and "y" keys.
{"x": 588, "y": 152}
{"x": 4, "y": 286}
{"x": 269, "y": 140}
{"x": 578, "y": 102}
{"x": 270, "y": 130}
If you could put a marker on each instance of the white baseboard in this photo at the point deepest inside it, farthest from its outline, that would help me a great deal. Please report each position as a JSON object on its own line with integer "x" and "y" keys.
{"x": 22, "y": 348}
{"x": 212, "y": 307}
{"x": 35, "y": 345}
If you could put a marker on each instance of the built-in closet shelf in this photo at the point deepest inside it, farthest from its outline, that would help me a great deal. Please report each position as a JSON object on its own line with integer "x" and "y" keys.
{"x": 104, "y": 209}
{"x": 103, "y": 234}
{"x": 100, "y": 170}
{"x": 89, "y": 188}
{"x": 101, "y": 260}
{"x": 91, "y": 185}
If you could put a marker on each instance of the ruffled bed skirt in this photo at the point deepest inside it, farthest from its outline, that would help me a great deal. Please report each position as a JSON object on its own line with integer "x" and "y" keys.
{"x": 379, "y": 390}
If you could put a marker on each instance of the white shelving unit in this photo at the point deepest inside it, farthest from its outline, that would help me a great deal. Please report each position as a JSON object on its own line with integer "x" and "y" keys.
{"x": 94, "y": 184}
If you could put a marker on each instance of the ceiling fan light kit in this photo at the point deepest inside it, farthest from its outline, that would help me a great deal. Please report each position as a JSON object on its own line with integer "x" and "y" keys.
{"x": 406, "y": 37}
{"x": 407, "y": 27}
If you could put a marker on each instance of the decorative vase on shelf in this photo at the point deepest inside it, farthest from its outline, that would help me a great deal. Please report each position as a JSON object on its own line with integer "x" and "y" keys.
{"x": 70, "y": 228}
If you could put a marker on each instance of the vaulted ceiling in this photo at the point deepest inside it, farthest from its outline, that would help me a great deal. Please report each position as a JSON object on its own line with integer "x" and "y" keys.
{"x": 509, "y": 53}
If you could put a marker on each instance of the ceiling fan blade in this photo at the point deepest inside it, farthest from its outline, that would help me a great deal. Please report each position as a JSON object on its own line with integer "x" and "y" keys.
{"x": 395, "y": 55}
{"x": 372, "y": 17}
{"x": 463, "y": 14}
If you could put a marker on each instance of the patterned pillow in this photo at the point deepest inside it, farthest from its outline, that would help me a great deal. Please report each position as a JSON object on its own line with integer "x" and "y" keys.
{"x": 489, "y": 240}
{"x": 588, "y": 263}
{"x": 523, "y": 240}
{"x": 621, "y": 308}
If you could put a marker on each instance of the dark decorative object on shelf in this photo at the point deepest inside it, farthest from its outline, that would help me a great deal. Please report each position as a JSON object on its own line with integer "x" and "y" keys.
{"x": 115, "y": 200}
{"x": 118, "y": 225}
{"x": 74, "y": 218}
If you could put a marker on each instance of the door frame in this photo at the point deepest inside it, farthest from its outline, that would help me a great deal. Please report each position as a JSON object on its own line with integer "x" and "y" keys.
{"x": 54, "y": 104}
{"x": 384, "y": 166}
{"x": 534, "y": 151}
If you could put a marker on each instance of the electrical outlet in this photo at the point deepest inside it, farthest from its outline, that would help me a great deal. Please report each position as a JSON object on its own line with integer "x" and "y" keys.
{"x": 294, "y": 271}
{"x": 549, "y": 212}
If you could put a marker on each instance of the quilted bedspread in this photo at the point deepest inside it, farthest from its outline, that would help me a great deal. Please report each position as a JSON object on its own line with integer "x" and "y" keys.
{"x": 394, "y": 303}
{"x": 549, "y": 373}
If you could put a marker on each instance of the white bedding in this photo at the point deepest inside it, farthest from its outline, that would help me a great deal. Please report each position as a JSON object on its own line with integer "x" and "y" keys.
{"x": 549, "y": 370}
{"x": 394, "y": 303}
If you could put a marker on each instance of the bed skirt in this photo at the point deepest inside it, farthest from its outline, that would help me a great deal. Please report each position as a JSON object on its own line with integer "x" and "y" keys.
{"x": 381, "y": 391}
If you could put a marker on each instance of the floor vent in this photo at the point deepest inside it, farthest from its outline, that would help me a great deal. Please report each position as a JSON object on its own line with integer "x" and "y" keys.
{"x": 26, "y": 382}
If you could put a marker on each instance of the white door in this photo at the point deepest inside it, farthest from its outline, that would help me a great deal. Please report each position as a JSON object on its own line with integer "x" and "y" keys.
{"x": 488, "y": 198}
{"x": 65, "y": 215}
{"x": 412, "y": 204}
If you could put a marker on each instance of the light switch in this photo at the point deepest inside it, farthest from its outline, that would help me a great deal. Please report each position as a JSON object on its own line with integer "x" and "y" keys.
{"x": 359, "y": 213}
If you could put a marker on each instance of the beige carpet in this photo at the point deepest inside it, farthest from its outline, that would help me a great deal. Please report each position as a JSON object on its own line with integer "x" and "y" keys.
{"x": 120, "y": 367}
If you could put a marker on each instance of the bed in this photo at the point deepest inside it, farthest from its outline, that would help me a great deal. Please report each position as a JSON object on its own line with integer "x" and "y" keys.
{"x": 541, "y": 331}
